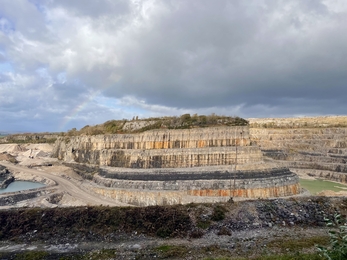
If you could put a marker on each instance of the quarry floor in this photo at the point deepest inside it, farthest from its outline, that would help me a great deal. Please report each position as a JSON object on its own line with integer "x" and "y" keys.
{"x": 59, "y": 179}
{"x": 72, "y": 186}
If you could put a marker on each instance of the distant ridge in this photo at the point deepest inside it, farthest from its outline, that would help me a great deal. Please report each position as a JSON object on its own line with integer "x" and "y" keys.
{"x": 2, "y": 133}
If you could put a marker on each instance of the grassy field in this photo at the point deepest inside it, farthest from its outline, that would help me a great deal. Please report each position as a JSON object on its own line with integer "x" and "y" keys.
{"x": 316, "y": 186}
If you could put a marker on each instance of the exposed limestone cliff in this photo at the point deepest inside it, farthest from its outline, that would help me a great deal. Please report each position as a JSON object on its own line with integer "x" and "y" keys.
{"x": 160, "y": 148}
{"x": 316, "y": 146}
{"x": 177, "y": 166}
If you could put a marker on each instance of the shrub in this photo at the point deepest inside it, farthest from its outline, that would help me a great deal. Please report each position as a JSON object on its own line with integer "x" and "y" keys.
{"x": 337, "y": 249}
{"x": 218, "y": 213}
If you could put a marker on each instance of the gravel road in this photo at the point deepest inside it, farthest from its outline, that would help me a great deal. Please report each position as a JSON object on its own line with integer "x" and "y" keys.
{"x": 73, "y": 188}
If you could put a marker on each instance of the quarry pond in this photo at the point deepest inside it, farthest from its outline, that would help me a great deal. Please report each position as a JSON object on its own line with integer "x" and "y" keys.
{"x": 319, "y": 185}
{"x": 21, "y": 185}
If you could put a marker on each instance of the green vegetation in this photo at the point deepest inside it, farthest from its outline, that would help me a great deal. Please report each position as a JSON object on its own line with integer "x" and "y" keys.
{"x": 35, "y": 255}
{"x": 297, "y": 245}
{"x": 167, "y": 251}
{"x": 316, "y": 186}
{"x": 204, "y": 224}
{"x": 161, "y": 252}
{"x": 32, "y": 141}
{"x": 26, "y": 138}
{"x": 170, "y": 221}
{"x": 118, "y": 224}
{"x": 136, "y": 125}
{"x": 337, "y": 249}
{"x": 98, "y": 255}
{"x": 297, "y": 256}
{"x": 205, "y": 220}
{"x": 218, "y": 213}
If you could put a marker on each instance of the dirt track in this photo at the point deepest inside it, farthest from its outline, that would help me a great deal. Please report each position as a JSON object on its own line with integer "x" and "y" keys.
{"x": 65, "y": 185}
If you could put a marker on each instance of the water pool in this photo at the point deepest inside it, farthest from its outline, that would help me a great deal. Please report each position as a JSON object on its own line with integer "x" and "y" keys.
{"x": 21, "y": 185}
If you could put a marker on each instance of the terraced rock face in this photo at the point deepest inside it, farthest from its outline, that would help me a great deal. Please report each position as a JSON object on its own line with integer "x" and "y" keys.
{"x": 315, "y": 146}
{"x": 177, "y": 166}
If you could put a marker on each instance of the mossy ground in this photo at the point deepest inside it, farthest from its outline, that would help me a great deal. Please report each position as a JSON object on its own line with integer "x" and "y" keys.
{"x": 316, "y": 186}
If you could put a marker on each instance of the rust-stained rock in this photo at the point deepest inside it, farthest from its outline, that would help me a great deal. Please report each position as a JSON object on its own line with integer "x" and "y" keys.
{"x": 161, "y": 167}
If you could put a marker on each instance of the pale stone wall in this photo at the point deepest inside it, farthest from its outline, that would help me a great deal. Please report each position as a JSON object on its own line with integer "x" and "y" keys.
{"x": 200, "y": 179}
{"x": 153, "y": 197}
{"x": 178, "y": 166}
{"x": 105, "y": 149}
{"x": 168, "y": 158}
{"x": 314, "y": 139}
{"x": 316, "y": 146}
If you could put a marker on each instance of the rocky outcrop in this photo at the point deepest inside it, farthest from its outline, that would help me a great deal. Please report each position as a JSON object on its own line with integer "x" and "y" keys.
{"x": 12, "y": 198}
{"x": 7, "y": 157}
{"x": 5, "y": 177}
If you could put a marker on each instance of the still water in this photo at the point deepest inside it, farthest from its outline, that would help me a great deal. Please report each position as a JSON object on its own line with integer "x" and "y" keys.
{"x": 21, "y": 185}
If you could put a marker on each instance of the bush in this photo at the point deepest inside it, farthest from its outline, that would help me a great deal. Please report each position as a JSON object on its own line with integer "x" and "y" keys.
{"x": 337, "y": 249}
{"x": 218, "y": 213}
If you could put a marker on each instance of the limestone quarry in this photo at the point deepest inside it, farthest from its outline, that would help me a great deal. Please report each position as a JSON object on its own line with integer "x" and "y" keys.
{"x": 179, "y": 166}
{"x": 314, "y": 146}
{"x": 165, "y": 166}
{"x": 174, "y": 166}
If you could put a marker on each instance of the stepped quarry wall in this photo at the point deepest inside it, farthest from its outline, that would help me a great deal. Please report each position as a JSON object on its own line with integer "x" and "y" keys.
{"x": 178, "y": 166}
{"x": 315, "y": 146}
{"x": 167, "y": 158}
{"x": 160, "y": 148}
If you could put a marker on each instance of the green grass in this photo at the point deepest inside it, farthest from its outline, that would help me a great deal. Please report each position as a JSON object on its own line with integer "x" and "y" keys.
{"x": 297, "y": 245}
{"x": 35, "y": 255}
{"x": 316, "y": 186}
{"x": 298, "y": 256}
{"x": 169, "y": 251}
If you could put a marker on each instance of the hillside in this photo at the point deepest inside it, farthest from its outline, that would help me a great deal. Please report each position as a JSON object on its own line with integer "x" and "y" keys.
{"x": 135, "y": 125}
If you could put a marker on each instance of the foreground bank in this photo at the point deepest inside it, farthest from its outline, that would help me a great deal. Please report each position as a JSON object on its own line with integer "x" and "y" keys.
{"x": 225, "y": 229}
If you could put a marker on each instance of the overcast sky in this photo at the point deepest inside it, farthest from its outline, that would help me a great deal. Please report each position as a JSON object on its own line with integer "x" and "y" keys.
{"x": 69, "y": 63}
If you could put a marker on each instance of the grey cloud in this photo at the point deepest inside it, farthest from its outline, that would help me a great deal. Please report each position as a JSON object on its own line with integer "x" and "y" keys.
{"x": 91, "y": 8}
{"x": 255, "y": 59}
{"x": 197, "y": 56}
{"x": 24, "y": 17}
